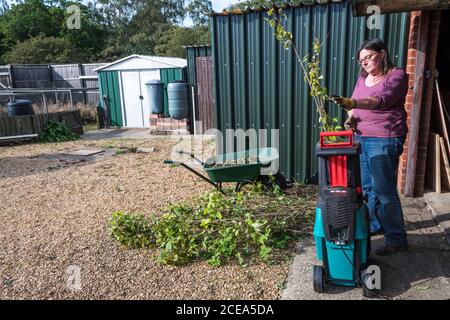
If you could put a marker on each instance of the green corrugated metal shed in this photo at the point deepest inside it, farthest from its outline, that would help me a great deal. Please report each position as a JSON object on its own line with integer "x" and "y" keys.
{"x": 123, "y": 83}
{"x": 110, "y": 87}
{"x": 258, "y": 84}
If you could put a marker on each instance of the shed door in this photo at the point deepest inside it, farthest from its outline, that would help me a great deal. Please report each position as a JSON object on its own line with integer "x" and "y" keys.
{"x": 133, "y": 113}
{"x": 204, "y": 92}
{"x": 145, "y": 76}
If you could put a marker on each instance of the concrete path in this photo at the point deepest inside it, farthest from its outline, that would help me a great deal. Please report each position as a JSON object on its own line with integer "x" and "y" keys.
{"x": 119, "y": 133}
{"x": 440, "y": 208}
{"x": 422, "y": 272}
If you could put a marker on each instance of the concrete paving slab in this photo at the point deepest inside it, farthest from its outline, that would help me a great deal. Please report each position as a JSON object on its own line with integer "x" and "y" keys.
{"x": 439, "y": 204}
{"x": 420, "y": 273}
{"x": 133, "y": 133}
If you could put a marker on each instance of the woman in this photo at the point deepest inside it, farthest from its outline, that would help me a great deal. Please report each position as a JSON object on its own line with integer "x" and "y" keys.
{"x": 378, "y": 117}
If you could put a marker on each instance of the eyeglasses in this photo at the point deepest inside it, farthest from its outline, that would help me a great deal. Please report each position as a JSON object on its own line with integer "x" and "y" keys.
{"x": 368, "y": 57}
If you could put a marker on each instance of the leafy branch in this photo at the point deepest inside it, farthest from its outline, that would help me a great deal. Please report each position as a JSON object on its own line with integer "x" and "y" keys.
{"x": 310, "y": 66}
{"x": 242, "y": 226}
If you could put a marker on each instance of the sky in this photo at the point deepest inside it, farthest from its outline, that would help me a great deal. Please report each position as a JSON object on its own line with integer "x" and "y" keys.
{"x": 218, "y": 6}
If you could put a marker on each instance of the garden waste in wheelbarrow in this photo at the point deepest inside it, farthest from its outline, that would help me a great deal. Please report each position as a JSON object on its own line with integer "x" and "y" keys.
{"x": 242, "y": 167}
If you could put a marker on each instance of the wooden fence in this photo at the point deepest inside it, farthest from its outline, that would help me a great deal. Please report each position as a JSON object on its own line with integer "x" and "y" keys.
{"x": 43, "y": 76}
{"x": 22, "y": 125}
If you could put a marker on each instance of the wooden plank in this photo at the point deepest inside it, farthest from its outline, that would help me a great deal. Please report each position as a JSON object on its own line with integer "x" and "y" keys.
{"x": 445, "y": 164}
{"x": 441, "y": 115}
{"x": 204, "y": 110}
{"x": 24, "y": 136}
{"x": 438, "y": 163}
{"x": 433, "y": 172}
{"x": 416, "y": 104}
{"x": 388, "y": 6}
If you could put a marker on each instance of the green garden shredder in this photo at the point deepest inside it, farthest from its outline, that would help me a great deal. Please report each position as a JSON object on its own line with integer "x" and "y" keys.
{"x": 341, "y": 229}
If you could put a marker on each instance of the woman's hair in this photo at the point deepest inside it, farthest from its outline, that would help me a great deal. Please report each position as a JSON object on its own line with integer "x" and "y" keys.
{"x": 376, "y": 45}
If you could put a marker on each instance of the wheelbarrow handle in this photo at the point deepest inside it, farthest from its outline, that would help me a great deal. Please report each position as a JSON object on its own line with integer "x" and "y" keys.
{"x": 196, "y": 173}
{"x": 192, "y": 156}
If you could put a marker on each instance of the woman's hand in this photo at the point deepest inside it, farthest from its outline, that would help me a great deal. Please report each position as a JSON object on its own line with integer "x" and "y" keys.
{"x": 346, "y": 103}
{"x": 350, "y": 123}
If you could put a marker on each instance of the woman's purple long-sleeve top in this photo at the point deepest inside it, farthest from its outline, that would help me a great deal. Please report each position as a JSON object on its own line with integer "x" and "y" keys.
{"x": 388, "y": 119}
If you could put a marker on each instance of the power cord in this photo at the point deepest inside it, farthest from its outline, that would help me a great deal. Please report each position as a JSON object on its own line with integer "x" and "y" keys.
{"x": 358, "y": 278}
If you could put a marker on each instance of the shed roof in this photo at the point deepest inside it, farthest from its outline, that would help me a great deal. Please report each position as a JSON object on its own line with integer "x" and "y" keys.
{"x": 138, "y": 62}
{"x": 287, "y": 4}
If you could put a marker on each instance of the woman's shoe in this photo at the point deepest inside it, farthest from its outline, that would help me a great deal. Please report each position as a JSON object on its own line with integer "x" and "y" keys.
{"x": 388, "y": 249}
{"x": 375, "y": 233}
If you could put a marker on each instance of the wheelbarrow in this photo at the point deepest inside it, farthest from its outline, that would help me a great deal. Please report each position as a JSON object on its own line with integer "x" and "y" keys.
{"x": 242, "y": 167}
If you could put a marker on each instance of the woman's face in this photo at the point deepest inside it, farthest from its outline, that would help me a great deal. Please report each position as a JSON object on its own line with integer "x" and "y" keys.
{"x": 370, "y": 60}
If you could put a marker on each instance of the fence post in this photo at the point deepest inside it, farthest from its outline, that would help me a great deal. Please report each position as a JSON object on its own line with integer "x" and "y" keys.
{"x": 51, "y": 81}
{"x": 71, "y": 100}
{"x": 45, "y": 103}
{"x": 82, "y": 82}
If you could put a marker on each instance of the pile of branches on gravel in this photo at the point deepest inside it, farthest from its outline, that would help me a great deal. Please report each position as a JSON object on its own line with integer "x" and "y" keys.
{"x": 253, "y": 223}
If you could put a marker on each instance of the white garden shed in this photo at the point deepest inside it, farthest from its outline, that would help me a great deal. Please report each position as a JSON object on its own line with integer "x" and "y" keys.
{"x": 122, "y": 87}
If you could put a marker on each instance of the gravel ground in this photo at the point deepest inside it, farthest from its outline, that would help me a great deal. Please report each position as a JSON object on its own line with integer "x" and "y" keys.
{"x": 54, "y": 227}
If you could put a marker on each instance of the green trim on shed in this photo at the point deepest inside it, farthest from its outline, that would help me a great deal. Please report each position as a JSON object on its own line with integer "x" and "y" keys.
{"x": 109, "y": 85}
{"x": 258, "y": 84}
{"x": 167, "y": 76}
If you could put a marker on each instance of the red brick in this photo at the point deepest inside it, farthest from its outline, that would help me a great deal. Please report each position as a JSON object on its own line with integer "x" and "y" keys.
{"x": 412, "y": 53}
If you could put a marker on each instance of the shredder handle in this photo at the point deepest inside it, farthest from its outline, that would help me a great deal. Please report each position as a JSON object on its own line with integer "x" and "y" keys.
{"x": 348, "y": 133}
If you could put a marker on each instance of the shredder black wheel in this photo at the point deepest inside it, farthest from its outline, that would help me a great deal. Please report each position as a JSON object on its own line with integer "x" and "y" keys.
{"x": 319, "y": 279}
{"x": 367, "y": 293}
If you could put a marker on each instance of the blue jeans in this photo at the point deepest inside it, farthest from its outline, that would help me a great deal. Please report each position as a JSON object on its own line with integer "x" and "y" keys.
{"x": 379, "y": 163}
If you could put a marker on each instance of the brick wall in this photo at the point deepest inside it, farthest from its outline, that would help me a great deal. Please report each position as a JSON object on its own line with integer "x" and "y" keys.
{"x": 427, "y": 98}
{"x": 160, "y": 125}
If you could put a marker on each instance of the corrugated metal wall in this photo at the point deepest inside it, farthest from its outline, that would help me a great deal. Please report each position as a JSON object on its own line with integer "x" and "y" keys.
{"x": 108, "y": 82}
{"x": 168, "y": 76}
{"x": 258, "y": 84}
{"x": 191, "y": 54}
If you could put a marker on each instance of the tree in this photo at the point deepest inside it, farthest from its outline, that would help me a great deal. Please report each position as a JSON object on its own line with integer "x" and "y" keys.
{"x": 171, "y": 43}
{"x": 137, "y": 25}
{"x": 197, "y": 9}
{"x": 90, "y": 39}
{"x": 42, "y": 49}
{"x": 29, "y": 19}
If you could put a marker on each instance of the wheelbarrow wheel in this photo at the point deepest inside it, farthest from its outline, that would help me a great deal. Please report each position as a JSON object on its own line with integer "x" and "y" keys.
{"x": 242, "y": 184}
{"x": 319, "y": 279}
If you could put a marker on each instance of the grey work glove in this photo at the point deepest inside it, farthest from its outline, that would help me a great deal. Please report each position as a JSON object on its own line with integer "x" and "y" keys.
{"x": 350, "y": 123}
{"x": 343, "y": 102}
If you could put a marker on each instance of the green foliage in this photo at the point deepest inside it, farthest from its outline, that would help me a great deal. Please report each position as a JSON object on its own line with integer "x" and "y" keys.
{"x": 258, "y": 3}
{"x": 131, "y": 230}
{"x": 41, "y": 49}
{"x": 29, "y": 19}
{"x": 56, "y": 131}
{"x": 220, "y": 228}
{"x": 196, "y": 10}
{"x": 30, "y": 30}
{"x": 170, "y": 44}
